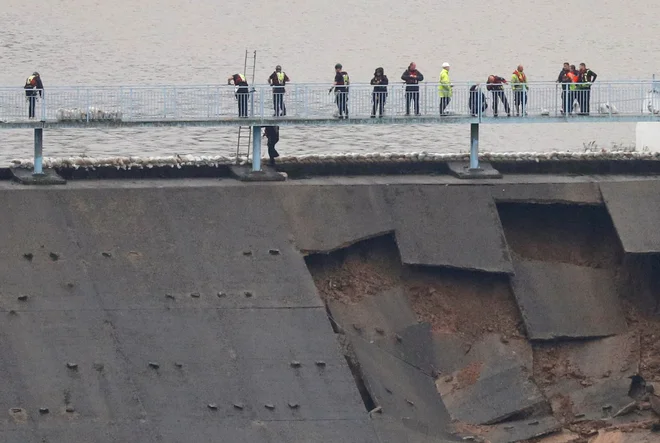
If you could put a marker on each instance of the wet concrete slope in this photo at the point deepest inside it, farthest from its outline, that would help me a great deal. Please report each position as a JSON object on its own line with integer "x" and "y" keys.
{"x": 164, "y": 315}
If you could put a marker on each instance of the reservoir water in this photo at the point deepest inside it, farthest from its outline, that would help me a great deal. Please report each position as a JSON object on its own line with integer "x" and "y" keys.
{"x": 148, "y": 42}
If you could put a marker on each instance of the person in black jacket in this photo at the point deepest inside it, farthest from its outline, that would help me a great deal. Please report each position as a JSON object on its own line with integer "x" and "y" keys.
{"x": 476, "y": 96}
{"x": 379, "y": 96}
{"x": 242, "y": 93}
{"x": 340, "y": 86}
{"x": 278, "y": 80}
{"x": 495, "y": 84}
{"x": 412, "y": 77}
{"x": 273, "y": 135}
{"x": 33, "y": 88}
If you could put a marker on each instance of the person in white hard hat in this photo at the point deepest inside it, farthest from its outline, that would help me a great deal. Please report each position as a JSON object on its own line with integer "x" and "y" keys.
{"x": 444, "y": 88}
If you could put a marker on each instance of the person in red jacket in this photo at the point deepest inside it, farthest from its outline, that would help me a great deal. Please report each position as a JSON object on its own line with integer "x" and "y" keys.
{"x": 412, "y": 77}
{"x": 495, "y": 85}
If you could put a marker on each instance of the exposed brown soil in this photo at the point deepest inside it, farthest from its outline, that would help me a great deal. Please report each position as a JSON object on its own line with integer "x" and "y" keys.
{"x": 473, "y": 303}
{"x": 578, "y": 235}
{"x": 445, "y": 298}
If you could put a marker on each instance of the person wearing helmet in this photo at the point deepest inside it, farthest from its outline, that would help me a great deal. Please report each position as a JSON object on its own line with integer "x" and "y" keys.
{"x": 34, "y": 88}
{"x": 379, "y": 95}
{"x": 340, "y": 87}
{"x": 277, "y": 80}
{"x": 444, "y": 88}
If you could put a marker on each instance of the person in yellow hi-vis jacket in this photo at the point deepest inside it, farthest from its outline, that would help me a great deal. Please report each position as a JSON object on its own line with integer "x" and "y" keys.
{"x": 444, "y": 88}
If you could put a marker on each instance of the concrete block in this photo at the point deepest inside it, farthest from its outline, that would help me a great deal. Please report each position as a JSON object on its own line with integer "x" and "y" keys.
{"x": 558, "y": 300}
{"x": 26, "y": 177}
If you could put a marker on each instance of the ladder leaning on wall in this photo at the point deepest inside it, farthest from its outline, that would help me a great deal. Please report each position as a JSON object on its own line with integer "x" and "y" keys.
{"x": 244, "y": 142}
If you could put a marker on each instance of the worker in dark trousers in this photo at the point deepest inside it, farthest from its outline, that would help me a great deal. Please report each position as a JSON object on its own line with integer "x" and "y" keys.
{"x": 277, "y": 80}
{"x": 495, "y": 85}
{"x": 340, "y": 87}
{"x": 34, "y": 88}
{"x": 585, "y": 78}
{"x": 242, "y": 93}
{"x": 379, "y": 96}
{"x": 477, "y": 99}
{"x": 412, "y": 77}
{"x": 273, "y": 135}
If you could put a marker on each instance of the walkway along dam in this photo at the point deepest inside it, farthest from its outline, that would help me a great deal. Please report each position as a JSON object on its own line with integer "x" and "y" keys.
{"x": 363, "y": 300}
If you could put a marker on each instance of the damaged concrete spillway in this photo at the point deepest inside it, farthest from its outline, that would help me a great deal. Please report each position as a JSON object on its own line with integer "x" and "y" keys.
{"x": 353, "y": 310}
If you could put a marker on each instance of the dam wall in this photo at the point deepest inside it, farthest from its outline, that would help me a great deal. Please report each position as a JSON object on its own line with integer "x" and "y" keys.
{"x": 407, "y": 308}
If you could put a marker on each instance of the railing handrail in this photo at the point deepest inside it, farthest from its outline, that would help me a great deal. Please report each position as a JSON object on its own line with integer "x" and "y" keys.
{"x": 396, "y": 82}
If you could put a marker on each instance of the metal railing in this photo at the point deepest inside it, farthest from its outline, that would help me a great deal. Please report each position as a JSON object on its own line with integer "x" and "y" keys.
{"x": 314, "y": 101}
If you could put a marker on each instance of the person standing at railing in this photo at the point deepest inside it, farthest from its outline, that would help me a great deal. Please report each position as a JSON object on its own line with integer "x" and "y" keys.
{"x": 412, "y": 77}
{"x": 519, "y": 86}
{"x": 242, "y": 93}
{"x": 379, "y": 96}
{"x": 585, "y": 78}
{"x": 34, "y": 88}
{"x": 477, "y": 98}
{"x": 277, "y": 80}
{"x": 340, "y": 87}
{"x": 445, "y": 88}
{"x": 563, "y": 72}
{"x": 570, "y": 89}
{"x": 495, "y": 85}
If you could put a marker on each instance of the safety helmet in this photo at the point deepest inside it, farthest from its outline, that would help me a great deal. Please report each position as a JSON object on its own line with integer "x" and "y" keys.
{"x": 338, "y": 66}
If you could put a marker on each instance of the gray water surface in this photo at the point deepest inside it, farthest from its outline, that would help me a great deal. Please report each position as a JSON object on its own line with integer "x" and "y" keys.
{"x": 90, "y": 42}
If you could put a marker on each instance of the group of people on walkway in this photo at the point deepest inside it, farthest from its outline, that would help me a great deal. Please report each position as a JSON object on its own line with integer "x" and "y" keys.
{"x": 576, "y": 88}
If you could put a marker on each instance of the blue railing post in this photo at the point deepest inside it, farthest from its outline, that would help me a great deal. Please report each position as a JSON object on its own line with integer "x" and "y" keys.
{"x": 38, "y": 151}
{"x": 474, "y": 145}
{"x": 256, "y": 148}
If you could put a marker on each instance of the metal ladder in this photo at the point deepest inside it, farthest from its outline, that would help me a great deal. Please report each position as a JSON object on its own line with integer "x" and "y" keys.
{"x": 244, "y": 142}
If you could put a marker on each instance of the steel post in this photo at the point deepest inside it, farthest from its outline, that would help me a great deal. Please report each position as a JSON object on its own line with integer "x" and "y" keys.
{"x": 474, "y": 146}
{"x": 256, "y": 148}
{"x": 38, "y": 151}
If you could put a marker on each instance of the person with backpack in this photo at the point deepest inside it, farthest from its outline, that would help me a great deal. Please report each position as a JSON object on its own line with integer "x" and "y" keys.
{"x": 477, "y": 96}
{"x": 34, "y": 88}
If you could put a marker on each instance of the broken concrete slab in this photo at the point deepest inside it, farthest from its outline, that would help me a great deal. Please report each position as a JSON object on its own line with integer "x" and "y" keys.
{"x": 326, "y": 218}
{"x": 390, "y": 430}
{"x": 600, "y": 401}
{"x": 559, "y": 300}
{"x": 475, "y": 398}
{"x": 452, "y": 226}
{"x": 375, "y": 317}
{"x": 518, "y": 430}
{"x": 635, "y": 211}
{"x": 450, "y": 352}
{"x": 545, "y": 193}
{"x": 401, "y": 390}
{"x": 616, "y": 356}
{"x": 497, "y": 353}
